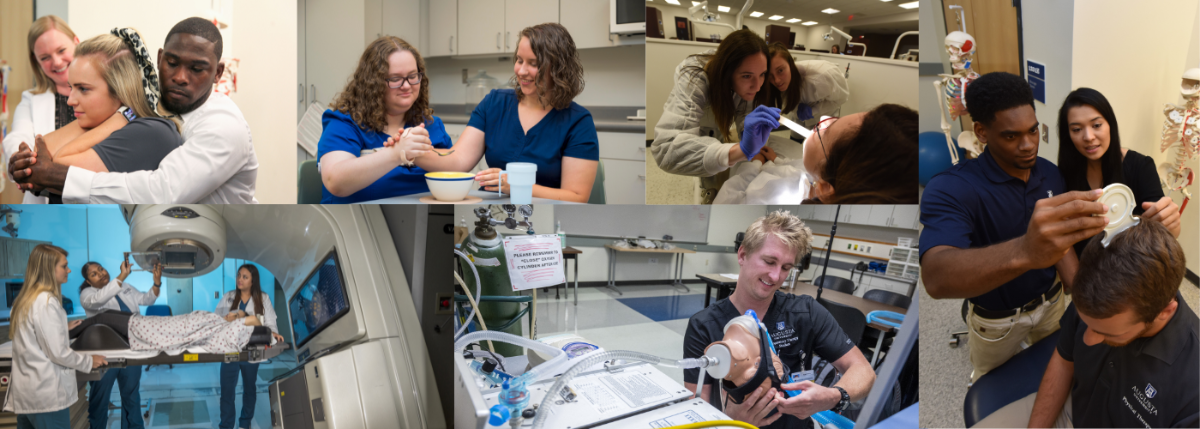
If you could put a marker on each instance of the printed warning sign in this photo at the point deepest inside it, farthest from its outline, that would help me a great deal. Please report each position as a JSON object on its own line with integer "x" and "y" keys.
{"x": 534, "y": 261}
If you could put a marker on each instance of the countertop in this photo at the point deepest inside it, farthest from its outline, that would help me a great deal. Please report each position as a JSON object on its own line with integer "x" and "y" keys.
{"x": 607, "y": 118}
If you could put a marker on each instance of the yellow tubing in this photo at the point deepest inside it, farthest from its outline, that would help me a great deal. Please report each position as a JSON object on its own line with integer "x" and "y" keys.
{"x": 715, "y": 423}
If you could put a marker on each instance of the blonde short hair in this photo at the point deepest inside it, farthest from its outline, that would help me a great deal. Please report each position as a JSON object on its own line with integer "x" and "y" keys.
{"x": 782, "y": 225}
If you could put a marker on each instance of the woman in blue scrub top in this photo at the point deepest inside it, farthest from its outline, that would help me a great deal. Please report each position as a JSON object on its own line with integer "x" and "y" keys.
{"x": 536, "y": 122}
{"x": 247, "y": 299}
{"x": 387, "y": 94}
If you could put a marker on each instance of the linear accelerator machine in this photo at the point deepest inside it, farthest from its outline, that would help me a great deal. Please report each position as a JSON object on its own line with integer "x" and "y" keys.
{"x": 362, "y": 362}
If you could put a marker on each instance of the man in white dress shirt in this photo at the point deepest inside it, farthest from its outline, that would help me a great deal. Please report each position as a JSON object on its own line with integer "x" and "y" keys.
{"x": 215, "y": 165}
{"x": 101, "y": 293}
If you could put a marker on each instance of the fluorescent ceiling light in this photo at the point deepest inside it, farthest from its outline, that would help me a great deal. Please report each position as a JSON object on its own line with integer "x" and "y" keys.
{"x": 723, "y": 8}
{"x": 775, "y": 17}
{"x": 909, "y": 5}
{"x": 695, "y": 3}
{"x": 793, "y": 20}
{"x": 831, "y": 11}
{"x": 885, "y": 1}
{"x": 809, "y": 23}
{"x": 755, "y": 14}
{"x": 674, "y": 2}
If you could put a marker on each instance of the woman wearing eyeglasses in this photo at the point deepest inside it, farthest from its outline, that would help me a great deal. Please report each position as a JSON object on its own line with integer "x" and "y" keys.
{"x": 710, "y": 120}
{"x": 388, "y": 95}
{"x": 864, "y": 158}
{"x": 537, "y": 122}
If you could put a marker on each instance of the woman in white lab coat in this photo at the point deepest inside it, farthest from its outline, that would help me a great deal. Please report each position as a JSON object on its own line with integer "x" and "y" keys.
{"x": 97, "y": 294}
{"x": 246, "y": 300}
{"x": 44, "y": 108}
{"x": 44, "y": 366}
{"x": 716, "y": 115}
{"x": 803, "y": 90}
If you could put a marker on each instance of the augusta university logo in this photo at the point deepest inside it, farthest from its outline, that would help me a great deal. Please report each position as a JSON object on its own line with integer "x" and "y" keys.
{"x": 779, "y": 326}
{"x": 1150, "y": 391}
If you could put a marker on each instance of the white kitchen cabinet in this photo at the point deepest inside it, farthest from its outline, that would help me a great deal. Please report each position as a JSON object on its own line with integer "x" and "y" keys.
{"x": 624, "y": 181}
{"x": 880, "y": 215}
{"x": 519, "y": 14}
{"x": 806, "y": 211}
{"x": 906, "y": 216}
{"x": 443, "y": 28}
{"x": 481, "y": 27}
{"x": 333, "y": 42}
{"x": 857, "y": 214}
{"x": 583, "y": 19}
{"x": 825, "y": 213}
{"x": 626, "y": 146}
{"x": 400, "y": 18}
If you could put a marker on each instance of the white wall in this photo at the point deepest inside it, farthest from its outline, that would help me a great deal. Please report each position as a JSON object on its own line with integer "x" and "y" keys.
{"x": 1139, "y": 84}
{"x": 266, "y": 80}
{"x": 757, "y": 25}
{"x": 724, "y": 224}
{"x": 873, "y": 81}
{"x": 1048, "y": 29}
{"x": 615, "y": 76}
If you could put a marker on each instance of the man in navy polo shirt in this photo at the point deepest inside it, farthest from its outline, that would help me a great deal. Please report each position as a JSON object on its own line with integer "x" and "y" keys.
{"x": 998, "y": 228}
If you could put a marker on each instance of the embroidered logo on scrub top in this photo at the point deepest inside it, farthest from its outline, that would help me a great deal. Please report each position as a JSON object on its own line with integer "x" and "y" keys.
{"x": 1150, "y": 391}
{"x": 779, "y": 327}
{"x": 1144, "y": 399}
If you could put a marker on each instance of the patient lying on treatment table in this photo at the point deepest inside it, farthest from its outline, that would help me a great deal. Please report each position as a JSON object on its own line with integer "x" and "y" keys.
{"x": 174, "y": 334}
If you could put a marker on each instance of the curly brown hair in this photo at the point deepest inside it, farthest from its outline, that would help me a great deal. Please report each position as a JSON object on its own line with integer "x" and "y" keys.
{"x": 889, "y": 133}
{"x": 363, "y": 98}
{"x": 560, "y": 72}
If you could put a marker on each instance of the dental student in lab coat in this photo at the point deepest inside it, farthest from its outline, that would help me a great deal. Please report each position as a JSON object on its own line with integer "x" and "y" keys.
{"x": 43, "y": 367}
{"x": 717, "y": 114}
{"x": 247, "y": 299}
{"x": 44, "y": 108}
{"x": 100, "y": 293}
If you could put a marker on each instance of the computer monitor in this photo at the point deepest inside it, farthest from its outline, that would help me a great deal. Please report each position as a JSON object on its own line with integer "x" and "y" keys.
{"x": 319, "y": 302}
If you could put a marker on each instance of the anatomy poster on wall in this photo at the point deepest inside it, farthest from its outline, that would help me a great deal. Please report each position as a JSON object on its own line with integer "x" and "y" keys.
{"x": 534, "y": 261}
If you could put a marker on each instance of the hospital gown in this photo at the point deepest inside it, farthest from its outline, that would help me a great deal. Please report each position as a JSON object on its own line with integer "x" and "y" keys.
{"x": 174, "y": 334}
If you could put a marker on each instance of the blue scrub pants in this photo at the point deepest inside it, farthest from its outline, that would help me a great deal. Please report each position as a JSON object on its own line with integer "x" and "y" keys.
{"x": 129, "y": 379}
{"x": 229, "y": 378}
{"x": 60, "y": 419}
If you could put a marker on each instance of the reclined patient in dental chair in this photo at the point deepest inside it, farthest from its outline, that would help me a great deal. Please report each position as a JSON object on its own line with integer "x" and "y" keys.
{"x": 198, "y": 330}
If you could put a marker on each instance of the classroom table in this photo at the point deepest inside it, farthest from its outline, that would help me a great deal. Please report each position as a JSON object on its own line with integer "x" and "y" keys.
{"x": 676, "y": 255}
{"x": 863, "y": 305}
{"x": 723, "y": 284}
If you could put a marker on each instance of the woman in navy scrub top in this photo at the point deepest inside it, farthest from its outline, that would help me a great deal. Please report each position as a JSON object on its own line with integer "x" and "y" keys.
{"x": 537, "y": 123}
{"x": 388, "y": 93}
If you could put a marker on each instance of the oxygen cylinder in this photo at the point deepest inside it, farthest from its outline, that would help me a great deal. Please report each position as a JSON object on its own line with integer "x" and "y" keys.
{"x": 484, "y": 249}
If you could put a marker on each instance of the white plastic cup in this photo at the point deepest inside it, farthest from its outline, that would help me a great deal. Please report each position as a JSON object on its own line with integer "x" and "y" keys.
{"x": 521, "y": 177}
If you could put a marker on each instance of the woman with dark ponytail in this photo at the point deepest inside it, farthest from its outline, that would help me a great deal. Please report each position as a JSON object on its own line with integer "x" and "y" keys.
{"x": 247, "y": 299}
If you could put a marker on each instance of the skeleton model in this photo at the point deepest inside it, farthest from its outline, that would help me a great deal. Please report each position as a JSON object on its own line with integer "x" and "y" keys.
{"x": 953, "y": 87}
{"x": 1181, "y": 130}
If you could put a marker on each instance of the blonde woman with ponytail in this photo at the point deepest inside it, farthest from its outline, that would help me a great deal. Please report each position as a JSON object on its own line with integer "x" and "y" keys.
{"x": 43, "y": 370}
{"x": 114, "y": 93}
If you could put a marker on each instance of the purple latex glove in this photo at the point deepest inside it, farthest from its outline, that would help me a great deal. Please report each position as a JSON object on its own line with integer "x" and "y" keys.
{"x": 757, "y": 128}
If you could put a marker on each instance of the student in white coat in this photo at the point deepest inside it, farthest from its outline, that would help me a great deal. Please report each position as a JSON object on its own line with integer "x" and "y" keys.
{"x": 44, "y": 366}
{"x": 44, "y": 107}
{"x": 100, "y": 293}
{"x": 247, "y": 299}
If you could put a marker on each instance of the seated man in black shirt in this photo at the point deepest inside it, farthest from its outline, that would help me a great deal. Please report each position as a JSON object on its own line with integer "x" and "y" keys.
{"x": 798, "y": 326}
{"x": 1128, "y": 355}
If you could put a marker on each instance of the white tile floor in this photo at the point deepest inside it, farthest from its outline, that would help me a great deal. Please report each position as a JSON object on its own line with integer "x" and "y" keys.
{"x": 199, "y": 384}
